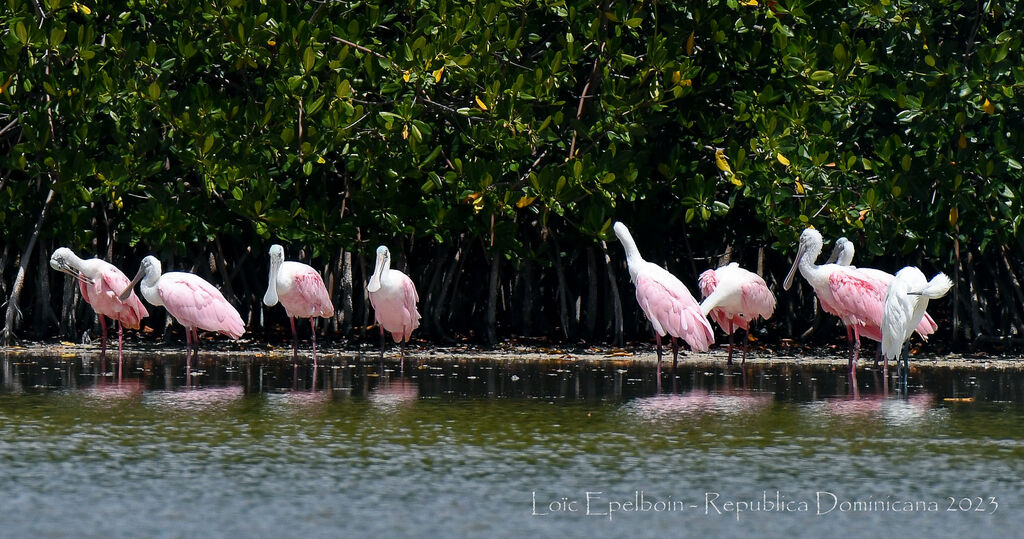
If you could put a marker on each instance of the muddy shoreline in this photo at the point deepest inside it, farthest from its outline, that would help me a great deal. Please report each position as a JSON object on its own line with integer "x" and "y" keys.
{"x": 829, "y": 356}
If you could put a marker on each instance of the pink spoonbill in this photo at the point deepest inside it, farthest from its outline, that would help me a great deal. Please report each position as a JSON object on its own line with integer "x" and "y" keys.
{"x": 301, "y": 292}
{"x": 854, "y": 295}
{"x": 905, "y": 303}
{"x": 665, "y": 301}
{"x": 733, "y": 298}
{"x": 193, "y": 302}
{"x": 100, "y": 283}
{"x": 393, "y": 296}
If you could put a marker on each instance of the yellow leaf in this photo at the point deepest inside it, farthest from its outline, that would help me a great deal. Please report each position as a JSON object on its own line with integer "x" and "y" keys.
{"x": 686, "y": 82}
{"x": 119, "y": 203}
{"x": 405, "y": 76}
{"x": 6, "y": 84}
{"x": 989, "y": 107}
{"x": 480, "y": 104}
{"x": 954, "y": 216}
{"x": 723, "y": 165}
{"x": 689, "y": 44}
{"x": 525, "y": 201}
{"x": 478, "y": 204}
{"x": 750, "y": 3}
{"x": 85, "y": 9}
{"x": 438, "y": 73}
{"x": 271, "y": 42}
{"x": 320, "y": 159}
{"x": 782, "y": 159}
{"x": 675, "y": 77}
{"x": 799, "y": 187}
{"x": 405, "y": 131}
{"x": 735, "y": 180}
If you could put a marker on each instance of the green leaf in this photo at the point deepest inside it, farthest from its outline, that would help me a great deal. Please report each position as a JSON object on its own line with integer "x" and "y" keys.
{"x": 821, "y": 76}
{"x": 154, "y": 91}
{"x": 308, "y": 59}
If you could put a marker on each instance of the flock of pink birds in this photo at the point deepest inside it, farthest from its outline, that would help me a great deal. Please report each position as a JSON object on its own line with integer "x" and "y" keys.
{"x": 871, "y": 303}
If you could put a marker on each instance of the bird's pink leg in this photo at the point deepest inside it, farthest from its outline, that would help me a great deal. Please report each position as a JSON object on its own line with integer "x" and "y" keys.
{"x": 295, "y": 341}
{"x": 312, "y": 325}
{"x": 746, "y": 343}
{"x": 401, "y": 354}
{"x": 103, "y": 339}
{"x": 849, "y": 341}
{"x": 657, "y": 370}
{"x": 382, "y": 345}
{"x": 120, "y": 341}
{"x": 675, "y": 354}
{"x": 856, "y": 348}
{"x": 728, "y": 328}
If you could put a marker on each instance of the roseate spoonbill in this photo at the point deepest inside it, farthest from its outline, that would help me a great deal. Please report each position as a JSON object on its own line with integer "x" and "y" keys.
{"x": 854, "y": 295}
{"x": 101, "y": 282}
{"x": 193, "y": 302}
{"x": 905, "y": 303}
{"x": 393, "y": 296}
{"x": 733, "y": 298}
{"x": 842, "y": 253}
{"x": 301, "y": 291}
{"x": 665, "y": 301}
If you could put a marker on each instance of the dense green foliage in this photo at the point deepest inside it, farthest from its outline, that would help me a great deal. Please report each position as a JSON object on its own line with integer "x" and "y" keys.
{"x": 494, "y": 142}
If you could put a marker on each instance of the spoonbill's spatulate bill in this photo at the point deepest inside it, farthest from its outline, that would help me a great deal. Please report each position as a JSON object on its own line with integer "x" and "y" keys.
{"x": 664, "y": 299}
{"x": 301, "y": 291}
{"x": 193, "y": 302}
{"x": 394, "y": 298}
{"x": 733, "y": 298}
{"x": 101, "y": 283}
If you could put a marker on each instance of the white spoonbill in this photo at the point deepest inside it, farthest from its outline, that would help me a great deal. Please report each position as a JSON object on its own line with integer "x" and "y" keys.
{"x": 905, "y": 303}
{"x": 665, "y": 301}
{"x": 192, "y": 301}
{"x": 301, "y": 292}
{"x": 733, "y": 298}
{"x": 394, "y": 298}
{"x": 100, "y": 283}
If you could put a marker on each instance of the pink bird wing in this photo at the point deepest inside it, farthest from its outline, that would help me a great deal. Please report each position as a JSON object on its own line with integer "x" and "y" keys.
{"x": 707, "y": 282}
{"x": 397, "y": 313}
{"x": 926, "y": 327}
{"x": 129, "y": 312}
{"x": 311, "y": 287}
{"x": 858, "y": 301}
{"x": 196, "y": 303}
{"x": 758, "y": 300}
{"x": 674, "y": 311}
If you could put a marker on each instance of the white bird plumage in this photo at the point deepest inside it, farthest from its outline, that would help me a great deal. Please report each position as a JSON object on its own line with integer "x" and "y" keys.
{"x": 905, "y": 304}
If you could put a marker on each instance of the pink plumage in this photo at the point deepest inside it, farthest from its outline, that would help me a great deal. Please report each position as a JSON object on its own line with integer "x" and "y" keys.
{"x": 855, "y": 295}
{"x": 195, "y": 303}
{"x": 101, "y": 283}
{"x": 733, "y": 298}
{"x": 394, "y": 298}
{"x": 397, "y": 312}
{"x": 742, "y": 297}
{"x": 301, "y": 291}
{"x": 665, "y": 301}
{"x": 102, "y": 295}
{"x": 672, "y": 310}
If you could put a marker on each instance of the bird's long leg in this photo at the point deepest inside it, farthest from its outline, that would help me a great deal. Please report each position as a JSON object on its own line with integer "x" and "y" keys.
{"x": 746, "y": 343}
{"x": 657, "y": 370}
{"x": 120, "y": 353}
{"x": 878, "y": 354}
{"x": 312, "y": 325}
{"x": 675, "y": 361}
{"x": 856, "y": 348}
{"x": 906, "y": 367}
{"x": 295, "y": 341}
{"x": 103, "y": 338}
{"x": 401, "y": 355}
{"x": 728, "y": 328}
{"x": 382, "y": 345}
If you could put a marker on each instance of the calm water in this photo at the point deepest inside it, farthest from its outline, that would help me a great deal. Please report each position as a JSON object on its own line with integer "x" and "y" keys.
{"x": 256, "y": 448}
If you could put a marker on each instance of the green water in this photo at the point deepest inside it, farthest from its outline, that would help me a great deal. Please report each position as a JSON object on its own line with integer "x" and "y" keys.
{"x": 249, "y": 448}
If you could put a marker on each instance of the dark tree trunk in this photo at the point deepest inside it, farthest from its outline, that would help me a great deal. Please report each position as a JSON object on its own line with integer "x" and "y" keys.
{"x": 492, "y": 301}
{"x": 563, "y": 307}
{"x": 616, "y": 300}
{"x": 13, "y": 312}
{"x": 590, "y": 314}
